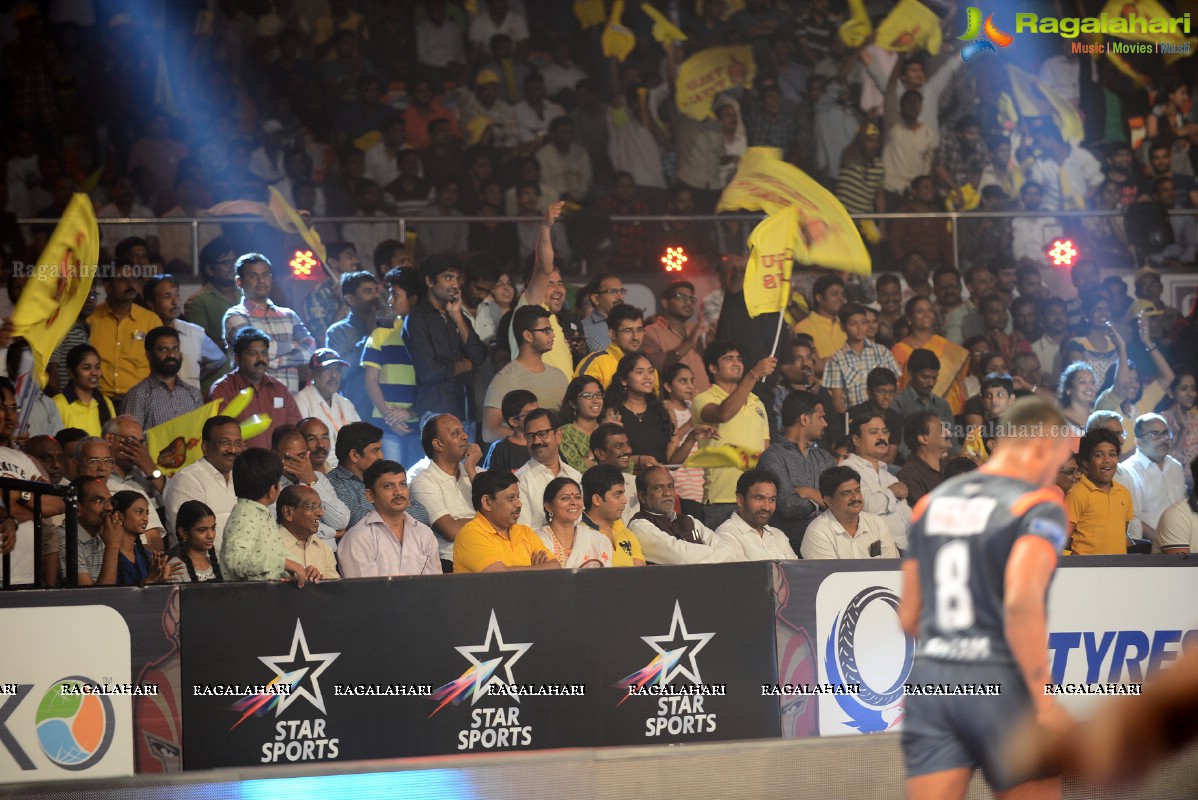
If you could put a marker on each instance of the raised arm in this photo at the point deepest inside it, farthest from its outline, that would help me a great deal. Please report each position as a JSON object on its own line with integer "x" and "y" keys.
{"x": 538, "y": 284}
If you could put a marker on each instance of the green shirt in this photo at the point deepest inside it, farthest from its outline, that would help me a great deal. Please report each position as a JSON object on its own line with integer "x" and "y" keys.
{"x": 207, "y": 308}
{"x": 250, "y": 548}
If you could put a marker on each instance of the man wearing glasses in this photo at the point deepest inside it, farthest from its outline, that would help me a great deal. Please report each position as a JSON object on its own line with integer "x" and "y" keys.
{"x": 606, "y": 291}
{"x": 290, "y": 444}
{"x": 542, "y": 431}
{"x": 669, "y": 340}
{"x": 1155, "y": 479}
{"x": 299, "y": 511}
{"x": 626, "y": 327}
{"x": 134, "y": 469}
{"x": 527, "y": 371}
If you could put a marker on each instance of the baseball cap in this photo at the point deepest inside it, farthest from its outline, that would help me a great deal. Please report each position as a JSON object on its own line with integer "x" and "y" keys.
{"x": 486, "y": 76}
{"x": 326, "y": 357}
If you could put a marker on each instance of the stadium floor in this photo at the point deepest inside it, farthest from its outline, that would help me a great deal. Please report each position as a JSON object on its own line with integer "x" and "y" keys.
{"x": 850, "y": 767}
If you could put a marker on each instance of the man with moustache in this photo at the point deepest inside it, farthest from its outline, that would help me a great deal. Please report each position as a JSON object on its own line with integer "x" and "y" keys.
{"x": 884, "y": 493}
{"x": 289, "y": 343}
{"x": 797, "y": 460}
{"x": 163, "y": 395}
{"x": 118, "y": 332}
{"x": 844, "y": 530}
{"x": 203, "y": 360}
{"x": 251, "y": 354}
{"x": 495, "y": 541}
{"x": 388, "y": 541}
{"x": 320, "y": 444}
{"x": 48, "y": 453}
{"x": 360, "y": 291}
{"x": 610, "y": 446}
{"x": 441, "y": 481}
{"x": 542, "y": 431}
{"x": 666, "y": 536}
{"x": 543, "y": 286}
{"x": 210, "y": 479}
{"x": 670, "y": 339}
{"x": 133, "y": 469}
{"x": 289, "y": 444}
{"x": 747, "y": 534}
{"x": 299, "y": 511}
{"x": 322, "y": 397}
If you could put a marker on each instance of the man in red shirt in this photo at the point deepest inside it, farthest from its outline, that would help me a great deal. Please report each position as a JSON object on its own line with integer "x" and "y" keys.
{"x": 251, "y": 353}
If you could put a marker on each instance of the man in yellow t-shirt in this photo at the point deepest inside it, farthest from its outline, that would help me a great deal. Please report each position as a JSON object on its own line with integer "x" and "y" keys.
{"x": 1099, "y": 508}
{"x": 605, "y": 496}
{"x": 543, "y": 286}
{"x": 739, "y": 417}
{"x": 823, "y": 323}
{"x": 626, "y": 324}
{"x": 493, "y": 541}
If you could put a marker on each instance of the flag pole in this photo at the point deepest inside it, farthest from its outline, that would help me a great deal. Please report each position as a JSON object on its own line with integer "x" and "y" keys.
{"x": 785, "y": 290}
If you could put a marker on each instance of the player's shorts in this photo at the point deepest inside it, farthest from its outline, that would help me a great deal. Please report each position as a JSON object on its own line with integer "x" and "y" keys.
{"x": 949, "y": 731}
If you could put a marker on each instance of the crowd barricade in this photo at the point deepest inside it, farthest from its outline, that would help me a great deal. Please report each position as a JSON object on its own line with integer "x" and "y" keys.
{"x": 23, "y": 566}
{"x": 112, "y": 681}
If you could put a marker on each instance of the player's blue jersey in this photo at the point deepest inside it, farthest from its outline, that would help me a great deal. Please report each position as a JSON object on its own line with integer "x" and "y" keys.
{"x": 962, "y": 537}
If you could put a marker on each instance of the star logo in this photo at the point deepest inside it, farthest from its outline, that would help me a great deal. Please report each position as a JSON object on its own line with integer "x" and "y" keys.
{"x": 679, "y": 646}
{"x": 300, "y": 668}
{"x": 490, "y": 666}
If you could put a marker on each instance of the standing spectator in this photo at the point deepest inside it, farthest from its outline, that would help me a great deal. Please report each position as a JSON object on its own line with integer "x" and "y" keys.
{"x": 388, "y": 541}
{"x": 485, "y": 102}
{"x": 910, "y": 145}
{"x": 995, "y": 320}
{"x": 202, "y": 360}
{"x": 388, "y": 372}
{"x": 496, "y": 19}
{"x": 740, "y": 418}
{"x": 251, "y": 549}
{"x": 57, "y": 374}
{"x": 605, "y": 496}
{"x": 669, "y": 340}
{"x": 565, "y": 166}
{"x": 443, "y": 238}
{"x": 289, "y": 344}
{"x": 439, "y": 39}
{"x": 208, "y": 480}
{"x": 960, "y": 160}
{"x": 118, "y": 331}
{"x": 747, "y": 534}
{"x": 527, "y": 371}
{"x": 1100, "y": 509}
{"x": 862, "y": 175}
{"x": 322, "y": 398}
{"x": 847, "y": 371}
{"x": 299, "y": 513}
{"x": 494, "y": 541}
{"x": 251, "y": 355}
{"x": 929, "y": 441}
{"x": 798, "y": 461}
{"x": 1054, "y": 324}
{"x": 881, "y": 387}
{"x": 605, "y": 292}
{"x": 82, "y": 404}
{"x": 667, "y": 537}
{"x": 325, "y": 304}
{"x": 951, "y": 360}
{"x": 561, "y": 74}
{"x": 542, "y": 431}
{"x": 1067, "y": 174}
{"x": 1031, "y": 236}
{"x": 358, "y": 446}
{"x": 441, "y": 481}
{"x": 630, "y": 240}
{"x": 1154, "y": 478}
{"x": 929, "y": 237}
{"x": 424, "y": 109}
{"x": 445, "y": 349}
{"x": 381, "y": 162}
{"x": 360, "y": 293}
{"x": 163, "y": 395}
{"x": 534, "y": 112}
{"x": 837, "y": 123}
{"x": 845, "y": 530}
{"x": 771, "y": 121}
{"x": 923, "y": 374}
{"x": 220, "y": 291}
{"x": 883, "y": 492}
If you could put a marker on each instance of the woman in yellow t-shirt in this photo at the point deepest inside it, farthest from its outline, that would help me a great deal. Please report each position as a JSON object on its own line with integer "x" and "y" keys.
{"x": 81, "y": 405}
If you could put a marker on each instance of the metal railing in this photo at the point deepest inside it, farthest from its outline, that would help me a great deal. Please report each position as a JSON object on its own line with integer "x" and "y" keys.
{"x": 11, "y": 490}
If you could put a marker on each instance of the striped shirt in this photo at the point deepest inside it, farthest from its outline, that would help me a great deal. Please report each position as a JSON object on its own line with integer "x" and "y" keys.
{"x": 291, "y": 344}
{"x": 848, "y": 370}
{"x": 857, "y": 185}
{"x": 386, "y": 352}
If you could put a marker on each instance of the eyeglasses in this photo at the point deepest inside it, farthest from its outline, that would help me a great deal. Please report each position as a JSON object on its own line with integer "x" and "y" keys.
{"x": 312, "y": 506}
{"x": 95, "y": 462}
{"x": 591, "y": 395}
{"x": 538, "y": 436}
{"x": 621, "y": 291}
{"x": 546, "y": 329}
{"x": 13, "y": 409}
{"x": 630, "y": 331}
{"x": 686, "y": 298}
{"x": 1157, "y": 435}
{"x": 236, "y": 444}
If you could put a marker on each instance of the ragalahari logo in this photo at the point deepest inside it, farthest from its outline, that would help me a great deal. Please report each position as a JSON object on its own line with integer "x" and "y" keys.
{"x": 989, "y": 35}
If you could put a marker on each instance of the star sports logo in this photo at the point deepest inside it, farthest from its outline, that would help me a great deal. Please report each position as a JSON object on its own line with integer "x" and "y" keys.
{"x": 676, "y": 653}
{"x": 488, "y": 662}
{"x": 990, "y": 35}
{"x": 298, "y": 669}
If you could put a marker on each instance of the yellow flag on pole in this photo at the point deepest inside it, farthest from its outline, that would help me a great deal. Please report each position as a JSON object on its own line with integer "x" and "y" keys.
{"x": 175, "y": 444}
{"x": 910, "y": 26}
{"x": 617, "y": 40}
{"x": 590, "y": 13}
{"x": 709, "y": 72}
{"x": 664, "y": 31}
{"x": 62, "y": 278}
{"x": 1034, "y": 98}
{"x": 828, "y": 237}
{"x": 773, "y": 246}
{"x": 856, "y": 29}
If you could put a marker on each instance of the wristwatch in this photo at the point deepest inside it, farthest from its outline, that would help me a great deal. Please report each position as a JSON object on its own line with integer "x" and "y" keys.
{"x": 156, "y": 474}
{"x": 26, "y": 497}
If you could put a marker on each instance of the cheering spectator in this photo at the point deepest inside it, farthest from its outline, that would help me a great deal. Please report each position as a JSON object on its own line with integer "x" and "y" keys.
{"x": 1100, "y": 509}
{"x": 910, "y": 144}
{"x": 610, "y": 446}
{"x": 668, "y": 339}
{"x": 288, "y": 343}
{"x": 846, "y": 530}
{"x": 388, "y": 541}
{"x": 527, "y": 371}
{"x": 626, "y": 331}
{"x": 1068, "y": 175}
{"x": 747, "y": 534}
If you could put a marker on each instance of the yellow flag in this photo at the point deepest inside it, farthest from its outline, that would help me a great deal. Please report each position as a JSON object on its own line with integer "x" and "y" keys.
{"x": 773, "y": 246}
{"x": 828, "y": 236}
{"x": 723, "y": 456}
{"x": 1141, "y": 28}
{"x": 910, "y": 26}
{"x": 175, "y": 444}
{"x": 617, "y": 40}
{"x": 57, "y": 291}
{"x": 294, "y": 223}
{"x": 709, "y": 72}
{"x": 664, "y": 31}
{"x": 856, "y": 29}
{"x": 590, "y": 13}
{"x": 1034, "y": 98}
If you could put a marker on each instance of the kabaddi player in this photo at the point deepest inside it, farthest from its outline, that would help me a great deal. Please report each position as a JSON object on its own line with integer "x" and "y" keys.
{"x": 983, "y": 548}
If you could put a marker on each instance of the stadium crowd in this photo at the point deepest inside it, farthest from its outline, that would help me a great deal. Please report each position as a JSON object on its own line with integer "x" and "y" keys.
{"x": 453, "y": 401}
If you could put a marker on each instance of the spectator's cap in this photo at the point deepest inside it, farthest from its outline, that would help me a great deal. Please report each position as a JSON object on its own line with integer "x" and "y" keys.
{"x": 486, "y": 76}
{"x": 475, "y": 129}
{"x": 872, "y": 130}
{"x": 326, "y": 357}
{"x": 119, "y": 20}
{"x": 272, "y": 126}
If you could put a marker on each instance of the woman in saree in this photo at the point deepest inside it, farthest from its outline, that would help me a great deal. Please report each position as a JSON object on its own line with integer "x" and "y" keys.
{"x": 954, "y": 359}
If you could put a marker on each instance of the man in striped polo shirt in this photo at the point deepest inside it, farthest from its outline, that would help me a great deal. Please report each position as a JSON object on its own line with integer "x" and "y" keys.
{"x": 390, "y": 375}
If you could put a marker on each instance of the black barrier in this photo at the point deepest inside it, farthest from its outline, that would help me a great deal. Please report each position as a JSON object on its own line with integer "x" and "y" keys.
{"x": 427, "y": 666}
{"x": 13, "y": 490}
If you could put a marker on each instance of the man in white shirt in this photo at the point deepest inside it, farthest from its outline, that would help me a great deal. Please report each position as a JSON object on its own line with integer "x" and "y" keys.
{"x": 565, "y": 166}
{"x": 322, "y": 398}
{"x": 1031, "y": 236}
{"x": 494, "y": 20}
{"x": 289, "y": 443}
{"x": 1155, "y": 479}
{"x": 299, "y": 512}
{"x": 441, "y": 482}
{"x": 382, "y": 159}
{"x": 439, "y": 40}
{"x": 1068, "y": 174}
{"x": 666, "y": 536}
{"x": 388, "y": 540}
{"x": 534, "y": 112}
{"x": 542, "y": 431}
{"x": 844, "y": 530}
{"x": 883, "y": 493}
{"x": 747, "y": 535}
{"x": 209, "y": 480}
{"x": 18, "y": 465}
